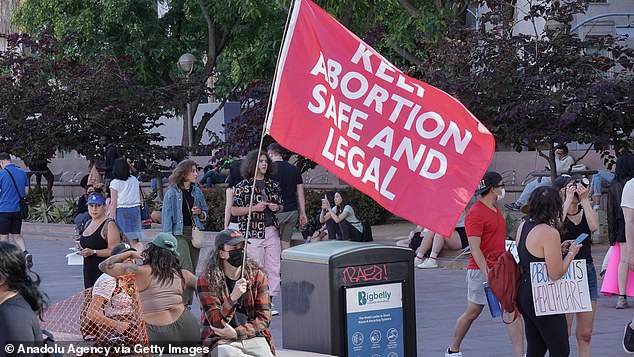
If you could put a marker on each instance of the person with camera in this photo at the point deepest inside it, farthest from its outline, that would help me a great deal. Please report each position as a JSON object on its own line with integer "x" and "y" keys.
{"x": 580, "y": 218}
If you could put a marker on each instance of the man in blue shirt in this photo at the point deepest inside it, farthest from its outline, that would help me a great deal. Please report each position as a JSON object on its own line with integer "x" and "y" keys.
{"x": 10, "y": 194}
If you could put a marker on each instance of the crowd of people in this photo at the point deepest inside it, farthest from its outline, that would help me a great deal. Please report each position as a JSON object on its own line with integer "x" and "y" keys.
{"x": 264, "y": 202}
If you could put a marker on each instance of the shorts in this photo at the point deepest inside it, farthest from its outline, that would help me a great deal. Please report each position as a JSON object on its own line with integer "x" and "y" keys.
{"x": 463, "y": 236}
{"x": 592, "y": 281}
{"x": 287, "y": 222}
{"x": 10, "y": 223}
{"x": 475, "y": 290}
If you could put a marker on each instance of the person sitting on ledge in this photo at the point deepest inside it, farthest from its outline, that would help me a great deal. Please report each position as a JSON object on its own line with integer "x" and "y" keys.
{"x": 563, "y": 164}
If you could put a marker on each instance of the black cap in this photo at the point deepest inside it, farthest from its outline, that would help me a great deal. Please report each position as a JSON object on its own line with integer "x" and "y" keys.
{"x": 121, "y": 248}
{"x": 490, "y": 179}
{"x": 228, "y": 237}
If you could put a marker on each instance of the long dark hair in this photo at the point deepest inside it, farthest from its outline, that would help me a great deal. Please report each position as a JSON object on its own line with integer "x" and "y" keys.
{"x": 121, "y": 169}
{"x": 344, "y": 201}
{"x": 215, "y": 275}
{"x": 624, "y": 169}
{"x": 545, "y": 206}
{"x": 13, "y": 271}
{"x": 250, "y": 163}
{"x": 164, "y": 264}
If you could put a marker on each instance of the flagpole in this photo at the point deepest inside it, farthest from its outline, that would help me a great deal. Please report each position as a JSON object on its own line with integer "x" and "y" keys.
{"x": 264, "y": 132}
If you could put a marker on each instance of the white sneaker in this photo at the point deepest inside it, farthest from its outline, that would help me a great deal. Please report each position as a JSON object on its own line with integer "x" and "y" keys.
{"x": 273, "y": 311}
{"x": 418, "y": 260}
{"x": 455, "y": 354}
{"x": 430, "y": 263}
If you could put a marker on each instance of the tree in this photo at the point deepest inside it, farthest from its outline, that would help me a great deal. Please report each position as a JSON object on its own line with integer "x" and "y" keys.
{"x": 240, "y": 37}
{"x": 535, "y": 90}
{"x": 51, "y": 102}
{"x": 387, "y": 26}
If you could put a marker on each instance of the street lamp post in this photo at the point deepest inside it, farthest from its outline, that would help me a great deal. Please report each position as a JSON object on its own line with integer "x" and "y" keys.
{"x": 186, "y": 64}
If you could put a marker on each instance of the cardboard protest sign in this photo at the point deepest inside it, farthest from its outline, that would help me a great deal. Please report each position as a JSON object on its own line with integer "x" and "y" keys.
{"x": 566, "y": 295}
{"x": 401, "y": 141}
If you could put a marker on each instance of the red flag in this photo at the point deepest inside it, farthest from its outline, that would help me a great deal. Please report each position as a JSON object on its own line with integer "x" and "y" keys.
{"x": 413, "y": 148}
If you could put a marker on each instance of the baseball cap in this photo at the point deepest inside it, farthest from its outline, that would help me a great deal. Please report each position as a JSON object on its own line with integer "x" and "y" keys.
{"x": 228, "y": 237}
{"x": 166, "y": 241}
{"x": 490, "y": 179}
{"x": 96, "y": 200}
{"x": 121, "y": 248}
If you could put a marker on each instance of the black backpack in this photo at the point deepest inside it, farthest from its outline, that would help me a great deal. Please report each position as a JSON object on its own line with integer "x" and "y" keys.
{"x": 366, "y": 236}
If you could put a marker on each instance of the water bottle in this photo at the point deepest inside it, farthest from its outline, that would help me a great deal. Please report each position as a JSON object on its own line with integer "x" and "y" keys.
{"x": 492, "y": 301}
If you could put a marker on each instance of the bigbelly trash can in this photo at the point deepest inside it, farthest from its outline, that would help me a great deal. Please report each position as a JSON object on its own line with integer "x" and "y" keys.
{"x": 349, "y": 299}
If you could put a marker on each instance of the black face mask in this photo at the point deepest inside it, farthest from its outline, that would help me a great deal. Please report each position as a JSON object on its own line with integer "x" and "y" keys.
{"x": 236, "y": 257}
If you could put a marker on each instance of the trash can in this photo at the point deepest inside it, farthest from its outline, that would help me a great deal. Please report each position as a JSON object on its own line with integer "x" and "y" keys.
{"x": 349, "y": 299}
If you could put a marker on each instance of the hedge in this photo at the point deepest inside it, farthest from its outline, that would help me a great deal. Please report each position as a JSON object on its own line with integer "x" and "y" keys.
{"x": 365, "y": 207}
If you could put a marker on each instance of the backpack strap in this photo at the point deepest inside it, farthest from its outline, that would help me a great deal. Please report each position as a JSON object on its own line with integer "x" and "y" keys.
{"x": 14, "y": 184}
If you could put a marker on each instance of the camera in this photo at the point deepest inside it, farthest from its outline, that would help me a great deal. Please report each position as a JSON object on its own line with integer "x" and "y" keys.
{"x": 582, "y": 181}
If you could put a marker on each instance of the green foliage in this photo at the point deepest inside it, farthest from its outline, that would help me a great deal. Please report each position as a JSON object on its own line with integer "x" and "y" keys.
{"x": 43, "y": 209}
{"x": 215, "y": 198}
{"x": 534, "y": 90}
{"x": 49, "y": 102}
{"x": 365, "y": 207}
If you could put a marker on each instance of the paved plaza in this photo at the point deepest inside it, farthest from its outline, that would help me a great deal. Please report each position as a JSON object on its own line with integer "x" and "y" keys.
{"x": 440, "y": 298}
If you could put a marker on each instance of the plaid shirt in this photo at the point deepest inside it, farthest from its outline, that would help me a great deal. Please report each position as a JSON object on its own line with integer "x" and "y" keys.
{"x": 241, "y": 198}
{"x": 217, "y": 306}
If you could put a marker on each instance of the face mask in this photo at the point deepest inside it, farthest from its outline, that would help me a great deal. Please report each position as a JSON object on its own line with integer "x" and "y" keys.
{"x": 236, "y": 257}
{"x": 501, "y": 195}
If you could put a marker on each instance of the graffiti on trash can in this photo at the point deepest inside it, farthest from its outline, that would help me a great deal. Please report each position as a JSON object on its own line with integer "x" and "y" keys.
{"x": 365, "y": 273}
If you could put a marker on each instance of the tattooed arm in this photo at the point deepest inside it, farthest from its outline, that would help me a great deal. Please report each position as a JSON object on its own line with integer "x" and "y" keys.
{"x": 120, "y": 264}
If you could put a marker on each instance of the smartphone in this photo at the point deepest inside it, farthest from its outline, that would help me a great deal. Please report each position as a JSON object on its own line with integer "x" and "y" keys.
{"x": 581, "y": 238}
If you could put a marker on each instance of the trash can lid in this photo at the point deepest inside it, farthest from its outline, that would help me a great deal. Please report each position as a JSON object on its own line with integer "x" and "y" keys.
{"x": 323, "y": 252}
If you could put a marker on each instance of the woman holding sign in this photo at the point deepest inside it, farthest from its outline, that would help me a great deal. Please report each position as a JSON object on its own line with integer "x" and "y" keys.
{"x": 580, "y": 220}
{"x": 539, "y": 241}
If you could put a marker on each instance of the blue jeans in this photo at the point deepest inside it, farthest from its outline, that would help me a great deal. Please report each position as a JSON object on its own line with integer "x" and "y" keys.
{"x": 601, "y": 179}
{"x": 530, "y": 187}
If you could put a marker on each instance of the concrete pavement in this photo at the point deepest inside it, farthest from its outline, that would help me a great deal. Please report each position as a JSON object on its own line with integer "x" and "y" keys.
{"x": 440, "y": 299}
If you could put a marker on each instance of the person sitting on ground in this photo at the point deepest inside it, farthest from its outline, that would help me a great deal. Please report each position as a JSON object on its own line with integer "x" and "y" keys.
{"x": 315, "y": 231}
{"x": 160, "y": 282}
{"x": 437, "y": 242}
{"x": 341, "y": 220}
{"x": 113, "y": 307}
{"x": 563, "y": 164}
{"x": 235, "y": 305}
{"x": 21, "y": 300}
{"x": 413, "y": 238}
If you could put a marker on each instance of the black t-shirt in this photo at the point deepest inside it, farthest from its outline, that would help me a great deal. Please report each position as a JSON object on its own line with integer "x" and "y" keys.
{"x": 18, "y": 323}
{"x": 289, "y": 177}
{"x": 570, "y": 231}
{"x": 240, "y": 317}
{"x": 188, "y": 203}
{"x": 268, "y": 214}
